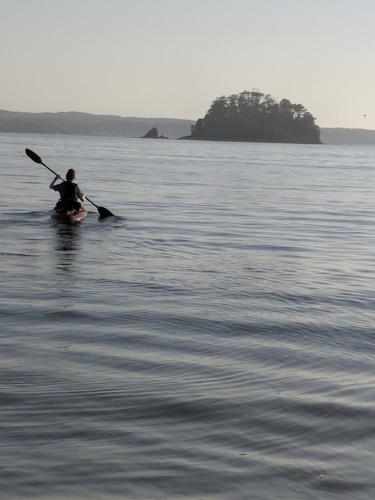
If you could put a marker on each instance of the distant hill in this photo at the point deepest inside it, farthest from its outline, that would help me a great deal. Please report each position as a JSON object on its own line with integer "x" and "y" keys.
{"x": 347, "y": 136}
{"x": 88, "y": 124}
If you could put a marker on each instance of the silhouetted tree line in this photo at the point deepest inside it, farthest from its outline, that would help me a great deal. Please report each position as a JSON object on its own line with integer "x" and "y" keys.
{"x": 253, "y": 116}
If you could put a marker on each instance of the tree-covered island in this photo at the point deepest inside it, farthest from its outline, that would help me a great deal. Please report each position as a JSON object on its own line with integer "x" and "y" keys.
{"x": 257, "y": 117}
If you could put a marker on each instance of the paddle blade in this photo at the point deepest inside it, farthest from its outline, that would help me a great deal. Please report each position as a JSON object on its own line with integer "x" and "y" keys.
{"x": 33, "y": 156}
{"x": 104, "y": 212}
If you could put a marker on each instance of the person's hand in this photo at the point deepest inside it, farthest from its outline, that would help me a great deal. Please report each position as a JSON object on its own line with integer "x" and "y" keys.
{"x": 58, "y": 177}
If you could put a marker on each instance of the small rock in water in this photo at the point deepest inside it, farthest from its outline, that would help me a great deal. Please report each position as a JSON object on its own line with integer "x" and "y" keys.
{"x": 152, "y": 134}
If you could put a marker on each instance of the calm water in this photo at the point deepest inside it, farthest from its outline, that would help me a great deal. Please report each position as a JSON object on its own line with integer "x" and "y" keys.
{"x": 214, "y": 341}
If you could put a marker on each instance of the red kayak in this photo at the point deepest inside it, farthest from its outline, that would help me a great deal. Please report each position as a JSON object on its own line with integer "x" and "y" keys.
{"x": 70, "y": 217}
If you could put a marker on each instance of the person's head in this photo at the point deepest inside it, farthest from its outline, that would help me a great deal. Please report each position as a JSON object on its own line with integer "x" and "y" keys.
{"x": 71, "y": 175}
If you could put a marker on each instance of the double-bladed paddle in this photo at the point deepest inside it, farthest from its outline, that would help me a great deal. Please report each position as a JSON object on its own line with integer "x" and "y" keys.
{"x": 103, "y": 212}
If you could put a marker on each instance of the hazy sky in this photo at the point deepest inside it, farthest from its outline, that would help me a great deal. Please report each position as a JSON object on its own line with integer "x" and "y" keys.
{"x": 171, "y": 58}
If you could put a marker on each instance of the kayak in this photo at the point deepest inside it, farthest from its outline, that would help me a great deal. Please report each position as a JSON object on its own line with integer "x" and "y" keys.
{"x": 70, "y": 217}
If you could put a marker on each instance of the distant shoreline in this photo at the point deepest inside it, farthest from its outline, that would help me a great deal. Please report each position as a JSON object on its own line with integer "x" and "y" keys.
{"x": 75, "y": 123}
{"x": 210, "y": 139}
{"x": 90, "y": 125}
{"x": 67, "y": 134}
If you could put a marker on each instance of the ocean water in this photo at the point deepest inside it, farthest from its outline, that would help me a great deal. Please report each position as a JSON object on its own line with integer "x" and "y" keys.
{"x": 214, "y": 340}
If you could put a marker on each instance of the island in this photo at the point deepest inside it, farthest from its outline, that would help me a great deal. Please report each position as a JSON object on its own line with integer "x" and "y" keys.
{"x": 257, "y": 117}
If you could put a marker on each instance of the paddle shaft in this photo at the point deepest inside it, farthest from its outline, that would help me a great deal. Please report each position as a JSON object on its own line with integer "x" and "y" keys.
{"x": 92, "y": 203}
{"x": 50, "y": 169}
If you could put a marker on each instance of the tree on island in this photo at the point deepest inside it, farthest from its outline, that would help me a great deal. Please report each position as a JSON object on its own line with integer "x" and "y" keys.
{"x": 253, "y": 116}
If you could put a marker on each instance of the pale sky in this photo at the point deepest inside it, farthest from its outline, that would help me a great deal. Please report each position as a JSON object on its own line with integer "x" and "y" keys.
{"x": 171, "y": 58}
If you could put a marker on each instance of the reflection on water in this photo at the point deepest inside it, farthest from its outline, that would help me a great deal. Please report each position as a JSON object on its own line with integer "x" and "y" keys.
{"x": 67, "y": 245}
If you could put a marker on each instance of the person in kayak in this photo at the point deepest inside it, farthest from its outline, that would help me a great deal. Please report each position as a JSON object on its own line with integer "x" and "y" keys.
{"x": 71, "y": 197}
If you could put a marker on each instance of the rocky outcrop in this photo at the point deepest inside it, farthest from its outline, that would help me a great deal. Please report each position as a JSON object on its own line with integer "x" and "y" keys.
{"x": 154, "y": 134}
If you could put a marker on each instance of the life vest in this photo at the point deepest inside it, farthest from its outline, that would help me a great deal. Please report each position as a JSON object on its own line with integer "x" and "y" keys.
{"x": 69, "y": 193}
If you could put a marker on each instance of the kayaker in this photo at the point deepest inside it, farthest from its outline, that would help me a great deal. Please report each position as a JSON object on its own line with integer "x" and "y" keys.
{"x": 71, "y": 197}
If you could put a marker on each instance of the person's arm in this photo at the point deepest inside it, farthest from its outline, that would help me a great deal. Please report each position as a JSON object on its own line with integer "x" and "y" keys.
{"x": 57, "y": 178}
{"x": 81, "y": 195}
